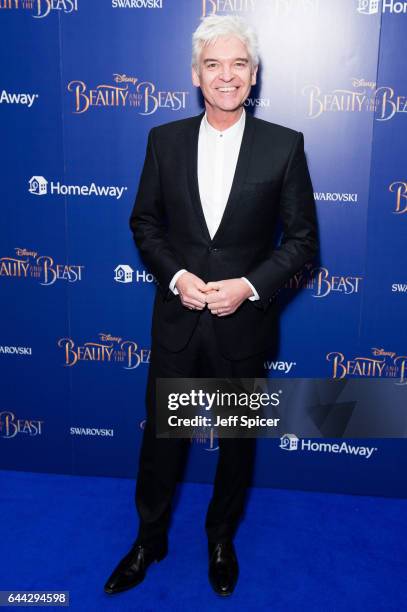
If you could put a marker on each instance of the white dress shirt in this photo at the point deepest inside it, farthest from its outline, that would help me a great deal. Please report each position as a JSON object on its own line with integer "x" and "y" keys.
{"x": 217, "y": 158}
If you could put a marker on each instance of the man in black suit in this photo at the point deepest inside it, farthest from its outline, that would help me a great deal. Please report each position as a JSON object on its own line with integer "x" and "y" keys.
{"x": 212, "y": 190}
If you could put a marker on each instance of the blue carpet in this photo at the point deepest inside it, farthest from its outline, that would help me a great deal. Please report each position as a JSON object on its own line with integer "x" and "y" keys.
{"x": 296, "y": 549}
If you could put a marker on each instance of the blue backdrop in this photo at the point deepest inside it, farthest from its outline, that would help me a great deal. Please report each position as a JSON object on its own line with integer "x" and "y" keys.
{"x": 82, "y": 83}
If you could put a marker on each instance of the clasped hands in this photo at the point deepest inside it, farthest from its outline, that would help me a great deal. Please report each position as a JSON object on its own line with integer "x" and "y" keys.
{"x": 222, "y": 297}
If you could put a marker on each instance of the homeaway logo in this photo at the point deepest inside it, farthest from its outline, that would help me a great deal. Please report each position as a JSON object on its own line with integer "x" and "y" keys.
{"x": 368, "y": 7}
{"x": 372, "y": 7}
{"x": 290, "y": 442}
{"x": 25, "y": 99}
{"x": 38, "y": 185}
{"x": 123, "y": 273}
{"x": 279, "y": 366}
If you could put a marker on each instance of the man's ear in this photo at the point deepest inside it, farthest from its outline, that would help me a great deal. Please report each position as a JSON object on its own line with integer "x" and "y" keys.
{"x": 195, "y": 77}
{"x": 254, "y": 75}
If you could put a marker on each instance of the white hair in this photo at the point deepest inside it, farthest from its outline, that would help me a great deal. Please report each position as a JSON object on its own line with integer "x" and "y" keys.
{"x": 215, "y": 26}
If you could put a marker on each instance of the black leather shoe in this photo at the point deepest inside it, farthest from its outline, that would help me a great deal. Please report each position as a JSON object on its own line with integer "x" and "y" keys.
{"x": 132, "y": 568}
{"x": 223, "y": 567}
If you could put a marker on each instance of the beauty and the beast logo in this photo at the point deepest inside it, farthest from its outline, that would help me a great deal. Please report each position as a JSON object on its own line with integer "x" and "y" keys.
{"x": 206, "y": 438}
{"x": 126, "y": 91}
{"x": 29, "y": 264}
{"x": 41, "y": 8}
{"x": 278, "y": 8}
{"x": 383, "y": 364}
{"x": 109, "y": 349}
{"x": 322, "y": 283}
{"x": 10, "y": 426}
{"x": 399, "y": 188}
{"x": 212, "y": 7}
{"x": 385, "y": 102}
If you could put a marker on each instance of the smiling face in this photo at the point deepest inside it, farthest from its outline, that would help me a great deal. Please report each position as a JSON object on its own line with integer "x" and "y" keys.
{"x": 226, "y": 75}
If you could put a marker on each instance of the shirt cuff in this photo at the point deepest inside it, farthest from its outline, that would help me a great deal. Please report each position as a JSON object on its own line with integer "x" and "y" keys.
{"x": 255, "y": 295}
{"x": 174, "y": 280}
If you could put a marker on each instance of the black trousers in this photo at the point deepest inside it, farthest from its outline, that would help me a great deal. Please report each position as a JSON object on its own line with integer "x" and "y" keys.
{"x": 161, "y": 459}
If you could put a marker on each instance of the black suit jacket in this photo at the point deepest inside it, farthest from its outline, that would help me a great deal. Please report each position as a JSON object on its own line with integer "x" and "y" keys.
{"x": 271, "y": 184}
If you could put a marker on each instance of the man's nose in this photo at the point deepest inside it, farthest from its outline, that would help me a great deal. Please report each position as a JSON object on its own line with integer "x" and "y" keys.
{"x": 226, "y": 74}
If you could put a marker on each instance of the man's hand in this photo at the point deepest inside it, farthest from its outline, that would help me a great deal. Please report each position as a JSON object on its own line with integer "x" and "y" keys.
{"x": 225, "y": 296}
{"x": 191, "y": 289}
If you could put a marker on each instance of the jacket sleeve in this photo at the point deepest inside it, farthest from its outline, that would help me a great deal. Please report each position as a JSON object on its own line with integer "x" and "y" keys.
{"x": 299, "y": 243}
{"x": 148, "y": 224}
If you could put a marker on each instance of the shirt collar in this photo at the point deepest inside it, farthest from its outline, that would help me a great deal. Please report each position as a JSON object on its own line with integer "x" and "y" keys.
{"x": 233, "y": 130}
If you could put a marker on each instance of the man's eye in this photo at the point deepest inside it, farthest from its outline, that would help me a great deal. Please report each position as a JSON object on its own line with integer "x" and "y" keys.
{"x": 240, "y": 64}
{"x": 211, "y": 65}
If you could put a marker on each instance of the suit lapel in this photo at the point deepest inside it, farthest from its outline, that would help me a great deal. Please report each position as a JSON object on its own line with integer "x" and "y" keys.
{"x": 238, "y": 178}
{"x": 192, "y": 164}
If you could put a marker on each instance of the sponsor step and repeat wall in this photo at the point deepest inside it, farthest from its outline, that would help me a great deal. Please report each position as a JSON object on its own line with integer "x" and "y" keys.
{"x": 82, "y": 83}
